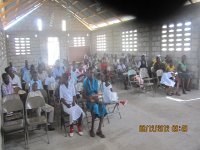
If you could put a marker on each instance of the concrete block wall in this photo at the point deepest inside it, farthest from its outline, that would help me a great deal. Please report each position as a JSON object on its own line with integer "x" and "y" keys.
{"x": 114, "y": 39}
{"x": 3, "y": 64}
{"x": 150, "y": 39}
{"x": 52, "y": 15}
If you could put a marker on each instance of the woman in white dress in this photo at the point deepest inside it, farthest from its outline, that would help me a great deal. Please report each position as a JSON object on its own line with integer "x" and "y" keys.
{"x": 68, "y": 98}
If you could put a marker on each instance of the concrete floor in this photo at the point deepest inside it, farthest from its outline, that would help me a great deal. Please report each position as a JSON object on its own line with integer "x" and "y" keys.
{"x": 123, "y": 134}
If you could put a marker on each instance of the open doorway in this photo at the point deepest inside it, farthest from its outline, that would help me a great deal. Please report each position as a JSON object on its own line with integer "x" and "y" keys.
{"x": 53, "y": 50}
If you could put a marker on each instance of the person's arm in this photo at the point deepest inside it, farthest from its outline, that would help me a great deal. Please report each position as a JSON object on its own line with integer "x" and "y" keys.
{"x": 3, "y": 91}
{"x": 64, "y": 102}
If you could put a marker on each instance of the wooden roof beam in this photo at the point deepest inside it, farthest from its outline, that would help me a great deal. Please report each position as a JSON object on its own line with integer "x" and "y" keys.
{"x": 95, "y": 14}
{"x": 24, "y": 9}
{"x": 4, "y": 4}
{"x": 74, "y": 3}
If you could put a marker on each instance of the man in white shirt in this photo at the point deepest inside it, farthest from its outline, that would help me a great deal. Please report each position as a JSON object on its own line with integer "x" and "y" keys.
{"x": 68, "y": 97}
{"x": 14, "y": 79}
{"x": 49, "y": 109}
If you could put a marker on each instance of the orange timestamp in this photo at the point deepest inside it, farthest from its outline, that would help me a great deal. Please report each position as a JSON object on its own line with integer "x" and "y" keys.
{"x": 163, "y": 128}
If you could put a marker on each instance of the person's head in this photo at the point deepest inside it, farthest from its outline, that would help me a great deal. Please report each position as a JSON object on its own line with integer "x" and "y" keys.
{"x": 32, "y": 68}
{"x": 80, "y": 66}
{"x": 35, "y": 76}
{"x": 65, "y": 78}
{"x": 143, "y": 57}
{"x": 40, "y": 68}
{"x": 183, "y": 58}
{"x": 167, "y": 58}
{"x": 9, "y": 70}
{"x": 170, "y": 62}
{"x": 157, "y": 59}
{"x": 34, "y": 86}
{"x": 26, "y": 63}
{"x": 57, "y": 64}
{"x": 90, "y": 72}
{"x": 49, "y": 71}
{"x": 103, "y": 60}
{"x": 5, "y": 78}
{"x": 10, "y": 64}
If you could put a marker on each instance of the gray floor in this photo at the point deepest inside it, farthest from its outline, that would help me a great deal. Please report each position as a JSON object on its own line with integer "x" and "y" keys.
{"x": 142, "y": 109}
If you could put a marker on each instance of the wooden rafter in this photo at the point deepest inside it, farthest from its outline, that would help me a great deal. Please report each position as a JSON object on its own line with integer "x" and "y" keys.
{"x": 68, "y": 3}
{"x": 95, "y": 14}
{"x": 4, "y": 4}
{"x": 16, "y": 10}
{"x": 74, "y": 3}
{"x": 9, "y": 10}
{"x": 25, "y": 7}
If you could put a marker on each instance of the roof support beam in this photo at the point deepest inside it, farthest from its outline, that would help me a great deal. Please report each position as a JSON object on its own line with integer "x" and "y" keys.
{"x": 25, "y": 7}
{"x": 95, "y": 14}
{"x": 74, "y": 3}
{"x": 4, "y": 4}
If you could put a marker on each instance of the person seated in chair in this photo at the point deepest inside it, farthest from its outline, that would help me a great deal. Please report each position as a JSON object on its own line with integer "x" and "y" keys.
{"x": 49, "y": 109}
{"x": 14, "y": 79}
{"x": 6, "y": 87}
{"x": 158, "y": 65}
{"x": 97, "y": 108}
{"x": 171, "y": 68}
{"x": 58, "y": 70}
{"x": 142, "y": 63}
{"x": 35, "y": 79}
{"x": 68, "y": 99}
{"x": 42, "y": 73}
{"x": 184, "y": 74}
{"x": 80, "y": 73}
{"x": 108, "y": 95}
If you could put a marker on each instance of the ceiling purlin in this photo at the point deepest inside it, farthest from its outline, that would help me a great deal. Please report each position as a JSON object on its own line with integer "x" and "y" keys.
{"x": 90, "y": 9}
{"x": 23, "y": 9}
{"x": 68, "y": 3}
{"x": 4, "y": 4}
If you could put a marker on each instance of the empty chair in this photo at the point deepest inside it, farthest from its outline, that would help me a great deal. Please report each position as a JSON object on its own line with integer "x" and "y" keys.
{"x": 13, "y": 116}
{"x": 148, "y": 82}
{"x": 35, "y": 103}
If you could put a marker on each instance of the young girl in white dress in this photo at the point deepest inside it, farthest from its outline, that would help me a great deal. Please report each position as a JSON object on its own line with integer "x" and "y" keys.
{"x": 108, "y": 95}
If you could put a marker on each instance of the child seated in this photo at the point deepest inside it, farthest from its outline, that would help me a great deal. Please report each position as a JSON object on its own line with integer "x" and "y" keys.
{"x": 108, "y": 95}
{"x": 50, "y": 81}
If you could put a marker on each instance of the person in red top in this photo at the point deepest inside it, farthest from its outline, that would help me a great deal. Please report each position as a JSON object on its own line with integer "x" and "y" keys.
{"x": 103, "y": 65}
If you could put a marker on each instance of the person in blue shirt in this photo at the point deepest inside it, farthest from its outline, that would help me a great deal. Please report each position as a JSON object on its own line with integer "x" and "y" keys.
{"x": 58, "y": 70}
{"x": 94, "y": 104}
{"x": 25, "y": 68}
{"x": 35, "y": 79}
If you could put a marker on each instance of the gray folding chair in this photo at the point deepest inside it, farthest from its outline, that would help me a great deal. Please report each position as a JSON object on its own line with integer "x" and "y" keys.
{"x": 148, "y": 82}
{"x": 13, "y": 116}
{"x": 35, "y": 103}
{"x": 64, "y": 119}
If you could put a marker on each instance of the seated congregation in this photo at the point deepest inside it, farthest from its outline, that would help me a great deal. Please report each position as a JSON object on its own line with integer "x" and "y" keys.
{"x": 87, "y": 85}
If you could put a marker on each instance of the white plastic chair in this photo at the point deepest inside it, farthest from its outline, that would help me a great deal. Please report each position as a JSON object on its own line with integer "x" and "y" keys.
{"x": 147, "y": 80}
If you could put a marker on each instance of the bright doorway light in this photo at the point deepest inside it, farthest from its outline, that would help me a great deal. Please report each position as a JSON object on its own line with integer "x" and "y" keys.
{"x": 39, "y": 24}
{"x": 53, "y": 50}
{"x": 63, "y": 25}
